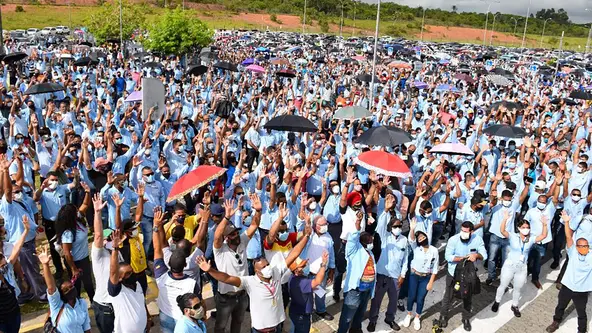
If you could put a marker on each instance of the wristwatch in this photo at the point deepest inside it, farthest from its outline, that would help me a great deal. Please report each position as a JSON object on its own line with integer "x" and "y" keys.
{"x": 155, "y": 229}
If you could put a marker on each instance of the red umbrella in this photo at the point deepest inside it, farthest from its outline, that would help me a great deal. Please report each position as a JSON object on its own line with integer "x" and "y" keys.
{"x": 383, "y": 163}
{"x": 193, "y": 180}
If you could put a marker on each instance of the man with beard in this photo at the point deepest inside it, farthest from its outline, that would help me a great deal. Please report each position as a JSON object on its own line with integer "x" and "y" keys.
{"x": 230, "y": 255}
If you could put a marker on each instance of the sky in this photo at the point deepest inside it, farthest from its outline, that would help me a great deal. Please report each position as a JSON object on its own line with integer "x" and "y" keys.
{"x": 575, "y": 8}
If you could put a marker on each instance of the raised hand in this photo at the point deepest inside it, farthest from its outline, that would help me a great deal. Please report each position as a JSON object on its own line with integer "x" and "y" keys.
{"x": 98, "y": 203}
{"x": 255, "y": 202}
{"x": 158, "y": 216}
{"x": 117, "y": 199}
{"x": 110, "y": 178}
{"x": 85, "y": 186}
{"x": 44, "y": 256}
{"x": 141, "y": 189}
{"x": 26, "y": 223}
{"x": 136, "y": 161}
{"x": 116, "y": 238}
{"x": 325, "y": 259}
{"x": 412, "y": 224}
{"x": 283, "y": 210}
{"x": 229, "y": 208}
{"x": 203, "y": 264}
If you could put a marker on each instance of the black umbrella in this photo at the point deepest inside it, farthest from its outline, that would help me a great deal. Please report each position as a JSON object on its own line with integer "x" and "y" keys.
{"x": 86, "y": 43}
{"x": 197, "y": 70}
{"x": 152, "y": 64}
{"x": 580, "y": 94}
{"x": 140, "y": 55}
{"x": 14, "y": 57}
{"x": 85, "y": 61}
{"x": 291, "y": 123}
{"x": 503, "y": 72}
{"x": 226, "y": 66}
{"x": 42, "y": 88}
{"x": 505, "y": 131}
{"x": 567, "y": 101}
{"x": 384, "y": 136}
{"x": 508, "y": 105}
{"x": 286, "y": 73}
{"x": 367, "y": 78}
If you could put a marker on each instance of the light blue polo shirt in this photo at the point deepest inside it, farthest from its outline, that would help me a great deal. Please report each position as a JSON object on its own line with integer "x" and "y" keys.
{"x": 456, "y": 248}
{"x": 186, "y": 325}
{"x": 73, "y": 319}
{"x": 52, "y": 201}
{"x": 578, "y": 274}
{"x": 80, "y": 244}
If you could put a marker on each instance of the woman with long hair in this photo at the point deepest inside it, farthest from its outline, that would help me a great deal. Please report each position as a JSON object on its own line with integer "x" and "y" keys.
{"x": 72, "y": 240}
{"x": 193, "y": 314}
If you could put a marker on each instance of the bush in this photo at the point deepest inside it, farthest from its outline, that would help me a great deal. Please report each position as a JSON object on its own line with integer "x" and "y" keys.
{"x": 324, "y": 25}
{"x": 274, "y": 18}
{"x": 394, "y": 31}
{"x": 19, "y": 9}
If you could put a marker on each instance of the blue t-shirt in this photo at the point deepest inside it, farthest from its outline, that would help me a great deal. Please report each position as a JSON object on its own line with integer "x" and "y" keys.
{"x": 301, "y": 295}
{"x": 80, "y": 244}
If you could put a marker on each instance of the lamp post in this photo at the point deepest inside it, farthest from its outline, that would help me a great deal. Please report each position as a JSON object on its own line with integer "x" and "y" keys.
{"x": 423, "y": 22}
{"x": 304, "y": 17}
{"x": 589, "y": 35}
{"x": 354, "y": 27}
{"x": 374, "y": 57}
{"x": 341, "y": 21}
{"x": 543, "y": 34}
{"x": 526, "y": 25}
{"x": 515, "y": 25}
{"x": 486, "y": 19}
{"x": 492, "y": 29}
{"x": 121, "y": 26}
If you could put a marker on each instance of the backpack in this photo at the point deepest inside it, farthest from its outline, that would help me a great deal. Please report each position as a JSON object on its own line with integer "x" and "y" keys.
{"x": 466, "y": 282}
{"x": 224, "y": 109}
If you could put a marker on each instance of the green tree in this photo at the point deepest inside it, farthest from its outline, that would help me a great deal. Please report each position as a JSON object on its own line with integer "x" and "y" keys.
{"x": 177, "y": 32}
{"x": 104, "y": 22}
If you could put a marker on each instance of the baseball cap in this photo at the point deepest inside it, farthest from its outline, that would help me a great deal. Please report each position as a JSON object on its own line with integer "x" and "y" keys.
{"x": 217, "y": 210}
{"x": 540, "y": 185}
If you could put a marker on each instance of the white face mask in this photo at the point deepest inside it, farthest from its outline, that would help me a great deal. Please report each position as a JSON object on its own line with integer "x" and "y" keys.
{"x": 465, "y": 235}
{"x": 266, "y": 272}
{"x": 396, "y": 231}
{"x": 53, "y": 184}
{"x": 357, "y": 188}
{"x": 335, "y": 189}
{"x": 541, "y": 205}
{"x": 312, "y": 206}
{"x": 18, "y": 196}
{"x": 506, "y": 203}
{"x": 323, "y": 229}
{"x": 370, "y": 246}
{"x": 576, "y": 198}
{"x": 525, "y": 231}
{"x": 197, "y": 313}
{"x": 48, "y": 144}
{"x": 135, "y": 233}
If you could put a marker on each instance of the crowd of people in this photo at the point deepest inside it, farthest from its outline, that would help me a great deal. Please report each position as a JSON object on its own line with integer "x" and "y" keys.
{"x": 294, "y": 215}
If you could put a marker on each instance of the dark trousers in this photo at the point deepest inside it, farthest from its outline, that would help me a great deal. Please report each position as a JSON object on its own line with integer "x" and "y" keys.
{"x": 384, "y": 285}
{"x": 354, "y": 307}
{"x": 230, "y": 308}
{"x": 50, "y": 233}
{"x": 563, "y": 268}
{"x": 558, "y": 241}
{"x": 340, "y": 267}
{"x": 104, "y": 317}
{"x": 300, "y": 322}
{"x": 252, "y": 156}
{"x": 11, "y": 324}
{"x": 535, "y": 260}
{"x": 580, "y": 299}
{"x": 143, "y": 281}
{"x": 30, "y": 265}
{"x": 447, "y": 300}
{"x": 437, "y": 231}
{"x": 335, "y": 233}
{"x": 85, "y": 278}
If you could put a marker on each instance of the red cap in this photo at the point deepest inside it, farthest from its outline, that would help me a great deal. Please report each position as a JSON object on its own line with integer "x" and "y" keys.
{"x": 353, "y": 198}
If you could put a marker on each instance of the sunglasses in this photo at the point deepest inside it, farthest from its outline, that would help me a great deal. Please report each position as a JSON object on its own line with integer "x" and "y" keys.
{"x": 196, "y": 306}
{"x": 238, "y": 258}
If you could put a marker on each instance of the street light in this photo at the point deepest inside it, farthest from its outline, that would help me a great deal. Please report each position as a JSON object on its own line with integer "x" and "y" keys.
{"x": 423, "y": 22}
{"x": 354, "y": 27}
{"x": 526, "y": 25}
{"x": 492, "y": 29}
{"x": 374, "y": 57}
{"x": 341, "y": 21}
{"x": 515, "y": 25}
{"x": 121, "y": 27}
{"x": 304, "y": 17}
{"x": 589, "y": 34}
{"x": 543, "y": 34}
{"x": 486, "y": 19}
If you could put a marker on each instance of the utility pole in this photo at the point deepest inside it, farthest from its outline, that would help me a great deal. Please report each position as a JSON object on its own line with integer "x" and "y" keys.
{"x": 526, "y": 25}
{"x": 304, "y": 17}
{"x": 423, "y": 22}
{"x": 371, "y": 101}
{"x": 1, "y": 34}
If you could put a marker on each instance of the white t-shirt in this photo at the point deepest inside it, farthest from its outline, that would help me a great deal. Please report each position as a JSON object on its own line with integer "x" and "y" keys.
{"x": 192, "y": 268}
{"x": 266, "y": 299}
{"x": 101, "y": 259}
{"x": 130, "y": 309}
{"x": 227, "y": 262}
{"x": 169, "y": 288}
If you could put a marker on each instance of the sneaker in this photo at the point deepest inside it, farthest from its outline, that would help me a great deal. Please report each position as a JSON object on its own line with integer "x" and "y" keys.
{"x": 489, "y": 282}
{"x": 537, "y": 284}
{"x": 407, "y": 320}
{"x": 371, "y": 327}
{"x": 327, "y": 316}
{"x": 443, "y": 322}
{"x": 553, "y": 327}
{"x": 393, "y": 325}
{"x": 400, "y": 305}
{"x": 417, "y": 324}
{"x": 558, "y": 285}
{"x": 467, "y": 325}
{"x": 516, "y": 311}
{"x": 495, "y": 307}
{"x": 554, "y": 264}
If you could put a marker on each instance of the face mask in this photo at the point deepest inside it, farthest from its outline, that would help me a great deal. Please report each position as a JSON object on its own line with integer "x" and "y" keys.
{"x": 18, "y": 196}
{"x": 149, "y": 179}
{"x": 130, "y": 282}
{"x": 210, "y": 146}
{"x": 358, "y": 188}
{"x": 396, "y": 231}
{"x": 53, "y": 185}
{"x": 464, "y": 236}
{"x": 525, "y": 231}
{"x": 443, "y": 188}
{"x": 312, "y": 206}
{"x": 99, "y": 129}
{"x": 71, "y": 295}
{"x": 423, "y": 243}
{"x": 506, "y": 203}
{"x": 135, "y": 233}
{"x": 426, "y": 215}
{"x": 335, "y": 189}
{"x": 541, "y": 205}
{"x": 118, "y": 141}
{"x": 283, "y": 236}
{"x": 210, "y": 160}
{"x": 48, "y": 144}
{"x": 370, "y": 246}
{"x": 266, "y": 272}
{"x": 512, "y": 147}
{"x": 511, "y": 165}
{"x": 576, "y": 198}
{"x": 147, "y": 152}
{"x": 579, "y": 169}
{"x": 198, "y": 313}
{"x": 323, "y": 229}
{"x": 20, "y": 141}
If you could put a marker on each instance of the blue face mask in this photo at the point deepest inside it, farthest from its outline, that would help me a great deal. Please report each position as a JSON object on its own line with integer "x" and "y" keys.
{"x": 283, "y": 236}
{"x": 20, "y": 141}
{"x": 149, "y": 179}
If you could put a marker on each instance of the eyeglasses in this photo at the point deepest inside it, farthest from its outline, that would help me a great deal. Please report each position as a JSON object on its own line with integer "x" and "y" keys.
{"x": 583, "y": 246}
{"x": 237, "y": 257}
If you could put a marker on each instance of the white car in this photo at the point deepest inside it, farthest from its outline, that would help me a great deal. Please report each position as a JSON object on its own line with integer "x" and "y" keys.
{"x": 32, "y": 31}
{"x": 48, "y": 30}
{"x": 60, "y": 29}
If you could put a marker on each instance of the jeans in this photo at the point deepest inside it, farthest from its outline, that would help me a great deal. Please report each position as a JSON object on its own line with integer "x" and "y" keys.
{"x": 535, "y": 258}
{"x": 580, "y": 299}
{"x": 167, "y": 324}
{"x": 512, "y": 270}
{"x": 384, "y": 284}
{"x": 104, "y": 317}
{"x": 496, "y": 243}
{"x": 12, "y": 324}
{"x": 340, "y": 267}
{"x": 30, "y": 265}
{"x": 230, "y": 308}
{"x": 50, "y": 233}
{"x": 300, "y": 323}
{"x": 354, "y": 307}
{"x": 146, "y": 226}
{"x": 447, "y": 300}
{"x": 320, "y": 305}
{"x": 417, "y": 292}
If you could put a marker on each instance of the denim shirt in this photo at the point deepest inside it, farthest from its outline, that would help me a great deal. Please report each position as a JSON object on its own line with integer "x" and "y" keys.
{"x": 395, "y": 249}
{"x": 357, "y": 258}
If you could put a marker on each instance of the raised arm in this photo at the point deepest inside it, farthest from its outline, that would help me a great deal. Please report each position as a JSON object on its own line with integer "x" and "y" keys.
{"x": 256, "y": 205}
{"x": 98, "y": 205}
{"x": 114, "y": 262}
{"x": 45, "y": 257}
{"x": 318, "y": 280}
{"x": 297, "y": 250}
{"x": 568, "y": 231}
{"x": 19, "y": 243}
{"x": 505, "y": 219}
{"x": 542, "y": 236}
{"x": 158, "y": 231}
{"x": 205, "y": 266}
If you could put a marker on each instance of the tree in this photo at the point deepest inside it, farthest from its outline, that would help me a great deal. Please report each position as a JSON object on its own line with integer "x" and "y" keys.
{"x": 177, "y": 32}
{"x": 104, "y": 22}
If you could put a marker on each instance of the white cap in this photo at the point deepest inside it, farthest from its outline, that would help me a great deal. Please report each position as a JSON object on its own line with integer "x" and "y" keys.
{"x": 540, "y": 184}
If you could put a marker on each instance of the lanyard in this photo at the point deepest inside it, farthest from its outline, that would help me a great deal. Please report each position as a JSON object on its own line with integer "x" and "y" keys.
{"x": 270, "y": 289}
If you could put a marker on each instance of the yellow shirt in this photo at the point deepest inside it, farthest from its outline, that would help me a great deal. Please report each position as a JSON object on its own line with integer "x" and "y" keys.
{"x": 190, "y": 223}
{"x": 137, "y": 255}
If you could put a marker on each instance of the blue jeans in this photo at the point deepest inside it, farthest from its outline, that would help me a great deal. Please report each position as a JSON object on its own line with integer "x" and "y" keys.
{"x": 495, "y": 243}
{"x": 146, "y": 226}
{"x": 417, "y": 292}
{"x": 300, "y": 323}
{"x": 13, "y": 325}
{"x": 354, "y": 306}
{"x": 320, "y": 306}
{"x": 535, "y": 259}
{"x": 167, "y": 324}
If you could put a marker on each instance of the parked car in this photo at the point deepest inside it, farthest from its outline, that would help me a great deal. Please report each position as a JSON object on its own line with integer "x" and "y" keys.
{"x": 32, "y": 31}
{"x": 60, "y": 29}
{"x": 48, "y": 31}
